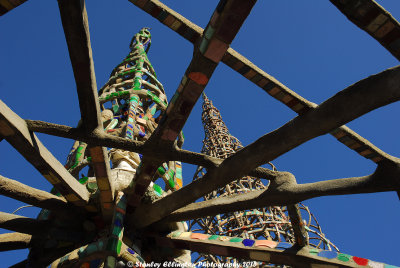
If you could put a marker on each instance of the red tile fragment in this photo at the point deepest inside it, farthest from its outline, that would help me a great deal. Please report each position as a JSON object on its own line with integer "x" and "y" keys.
{"x": 360, "y": 261}
{"x": 199, "y": 78}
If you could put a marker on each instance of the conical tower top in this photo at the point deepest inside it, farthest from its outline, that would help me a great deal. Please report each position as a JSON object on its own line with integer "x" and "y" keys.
{"x": 143, "y": 37}
{"x": 218, "y": 142}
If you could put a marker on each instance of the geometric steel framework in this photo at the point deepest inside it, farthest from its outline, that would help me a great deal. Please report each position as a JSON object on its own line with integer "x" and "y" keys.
{"x": 271, "y": 223}
{"x": 149, "y": 217}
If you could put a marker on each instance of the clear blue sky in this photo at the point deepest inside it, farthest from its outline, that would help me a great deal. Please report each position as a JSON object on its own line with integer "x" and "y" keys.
{"x": 307, "y": 45}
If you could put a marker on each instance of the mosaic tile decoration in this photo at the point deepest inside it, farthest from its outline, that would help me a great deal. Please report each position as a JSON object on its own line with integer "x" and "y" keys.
{"x": 101, "y": 167}
{"x": 263, "y": 250}
{"x": 211, "y": 49}
{"x": 265, "y": 223}
{"x": 375, "y": 20}
{"x": 134, "y": 108}
{"x": 110, "y": 247}
{"x": 135, "y": 95}
{"x": 270, "y": 84}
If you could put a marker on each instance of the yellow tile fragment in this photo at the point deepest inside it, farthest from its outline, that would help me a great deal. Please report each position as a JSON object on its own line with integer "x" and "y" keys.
{"x": 376, "y": 23}
{"x": 175, "y": 26}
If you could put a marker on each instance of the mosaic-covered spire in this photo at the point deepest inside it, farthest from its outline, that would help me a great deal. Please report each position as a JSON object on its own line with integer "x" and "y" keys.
{"x": 270, "y": 223}
{"x": 85, "y": 219}
{"x": 132, "y": 102}
{"x": 137, "y": 102}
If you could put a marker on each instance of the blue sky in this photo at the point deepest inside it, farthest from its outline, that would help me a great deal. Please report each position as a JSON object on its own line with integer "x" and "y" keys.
{"x": 307, "y": 45}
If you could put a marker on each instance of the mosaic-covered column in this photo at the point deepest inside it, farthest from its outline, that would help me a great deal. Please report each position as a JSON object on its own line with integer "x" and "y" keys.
{"x": 270, "y": 223}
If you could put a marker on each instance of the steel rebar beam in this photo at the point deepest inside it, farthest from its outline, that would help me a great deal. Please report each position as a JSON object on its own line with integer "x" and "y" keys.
{"x": 16, "y": 132}
{"x": 12, "y": 241}
{"x": 261, "y": 250}
{"x": 22, "y": 224}
{"x": 371, "y": 17}
{"x": 76, "y": 29}
{"x": 224, "y": 24}
{"x": 8, "y": 5}
{"x": 30, "y": 195}
{"x": 362, "y": 97}
{"x": 250, "y": 71}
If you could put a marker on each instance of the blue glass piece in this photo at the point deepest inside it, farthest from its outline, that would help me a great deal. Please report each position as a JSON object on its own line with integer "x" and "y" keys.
{"x": 248, "y": 242}
{"x": 118, "y": 223}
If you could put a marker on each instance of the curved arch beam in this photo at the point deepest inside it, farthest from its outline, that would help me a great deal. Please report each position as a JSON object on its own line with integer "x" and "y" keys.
{"x": 358, "y": 99}
{"x": 12, "y": 241}
{"x": 32, "y": 196}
